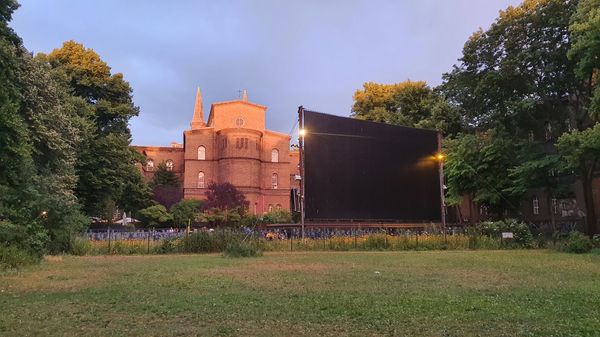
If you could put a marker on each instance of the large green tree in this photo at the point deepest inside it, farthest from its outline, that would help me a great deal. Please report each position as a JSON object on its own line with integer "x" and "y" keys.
{"x": 582, "y": 151}
{"x": 412, "y": 104}
{"x": 585, "y": 51}
{"x": 516, "y": 77}
{"x": 478, "y": 166}
{"x": 105, "y": 163}
{"x": 517, "y": 73}
{"x": 39, "y": 137}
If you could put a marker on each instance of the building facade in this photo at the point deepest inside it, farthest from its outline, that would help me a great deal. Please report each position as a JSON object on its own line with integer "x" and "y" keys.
{"x": 232, "y": 146}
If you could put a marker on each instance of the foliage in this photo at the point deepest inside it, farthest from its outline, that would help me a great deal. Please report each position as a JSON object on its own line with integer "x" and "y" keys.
{"x": 105, "y": 162}
{"x": 277, "y": 216}
{"x": 80, "y": 246}
{"x": 185, "y": 210}
{"x": 581, "y": 149}
{"x": 596, "y": 241}
{"x": 585, "y": 48}
{"x": 251, "y": 220}
{"x": 225, "y": 196}
{"x": 12, "y": 257}
{"x": 478, "y": 165}
{"x": 164, "y": 177}
{"x": 521, "y": 234}
{"x": 578, "y": 243}
{"x": 221, "y": 217}
{"x": 242, "y": 249}
{"x": 517, "y": 73}
{"x": 376, "y": 242}
{"x": 210, "y": 242}
{"x": 155, "y": 216}
{"x": 41, "y": 132}
{"x": 412, "y": 104}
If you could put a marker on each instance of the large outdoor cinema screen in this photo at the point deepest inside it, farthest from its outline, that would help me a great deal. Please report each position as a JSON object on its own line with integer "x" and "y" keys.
{"x": 363, "y": 171}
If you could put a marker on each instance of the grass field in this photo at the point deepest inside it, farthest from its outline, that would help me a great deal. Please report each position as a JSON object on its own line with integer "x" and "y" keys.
{"x": 435, "y": 293}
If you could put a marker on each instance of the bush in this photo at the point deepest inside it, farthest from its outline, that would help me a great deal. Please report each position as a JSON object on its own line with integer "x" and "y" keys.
{"x": 12, "y": 257}
{"x": 596, "y": 240}
{"x": 376, "y": 242}
{"x": 278, "y": 216}
{"x": 167, "y": 246}
{"x": 522, "y": 236}
{"x": 578, "y": 243}
{"x": 242, "y": 249}
{"x": 210, "y": 242}
{"x": 80, "y": 246}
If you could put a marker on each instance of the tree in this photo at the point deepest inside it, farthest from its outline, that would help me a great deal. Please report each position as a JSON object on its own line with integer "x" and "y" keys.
{"x": 221, "y": 217}
{"x": 478, "y": 166}
{"x": 225, "y": 196}
{"x": 155, "y": 216}
{"x": 105, "y": 162}
{"x": 164, "y": 177}
{"x": 517, "y": 73}
{"x": 516, "y": 77}
{"x": 585, "y": 33}
{"x": 185, "y": 211}
{"x": 411, "y": 104}
{"x": 582, "y": 152}
{"x": 40, "y": 134}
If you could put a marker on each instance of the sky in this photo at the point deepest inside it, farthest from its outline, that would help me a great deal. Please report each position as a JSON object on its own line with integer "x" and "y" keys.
{"x": 313, "y": 53}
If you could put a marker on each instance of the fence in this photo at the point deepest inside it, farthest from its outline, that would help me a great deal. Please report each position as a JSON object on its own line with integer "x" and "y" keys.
{"x": 315, "y": 239}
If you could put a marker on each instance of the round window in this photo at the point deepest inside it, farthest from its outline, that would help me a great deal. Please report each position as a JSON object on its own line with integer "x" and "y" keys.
{"x": 239, "y": 122}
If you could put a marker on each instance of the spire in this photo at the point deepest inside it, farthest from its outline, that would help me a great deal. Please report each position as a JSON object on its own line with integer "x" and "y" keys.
{"x": 198, "y": 119}
{"x": 245, "y": 96}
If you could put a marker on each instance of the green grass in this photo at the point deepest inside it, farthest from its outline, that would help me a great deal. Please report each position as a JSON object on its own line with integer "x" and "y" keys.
{"x": 433, "y": 293}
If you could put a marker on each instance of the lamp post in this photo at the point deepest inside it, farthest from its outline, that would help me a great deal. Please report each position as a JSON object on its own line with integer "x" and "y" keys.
{"x": 440, "y": 159}
{"x": 301, "y": 133}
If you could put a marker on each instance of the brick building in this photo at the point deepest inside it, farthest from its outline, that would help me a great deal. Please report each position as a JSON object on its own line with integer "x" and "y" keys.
{"x": 232, "y": 146}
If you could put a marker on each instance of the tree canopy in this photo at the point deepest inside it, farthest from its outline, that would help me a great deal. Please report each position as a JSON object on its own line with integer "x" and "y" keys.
{"x": 106, "y": 162}
{"x": 412, "y": 104}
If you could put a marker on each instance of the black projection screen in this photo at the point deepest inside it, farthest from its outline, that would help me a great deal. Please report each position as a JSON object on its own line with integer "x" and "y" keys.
{"x": 357, "y": 170}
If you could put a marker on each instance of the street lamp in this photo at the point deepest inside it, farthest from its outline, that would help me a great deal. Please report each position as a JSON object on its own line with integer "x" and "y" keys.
{"x": 440, "y": 157}
{"x": 301, "y": 134}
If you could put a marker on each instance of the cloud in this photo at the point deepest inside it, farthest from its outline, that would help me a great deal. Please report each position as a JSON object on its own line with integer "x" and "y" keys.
{"x": 286, "y": 54}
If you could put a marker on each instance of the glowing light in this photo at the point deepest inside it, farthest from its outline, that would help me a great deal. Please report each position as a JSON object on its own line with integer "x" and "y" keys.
{"x": 44, "y": 213}
{"x": 302, "y": 132}
{"x": 440, "y": 157}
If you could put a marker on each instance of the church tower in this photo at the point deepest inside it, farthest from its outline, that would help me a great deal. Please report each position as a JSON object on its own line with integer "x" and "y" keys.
{"x": 198, "y": 119}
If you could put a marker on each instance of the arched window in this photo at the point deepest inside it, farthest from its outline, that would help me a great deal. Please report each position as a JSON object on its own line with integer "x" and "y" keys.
{"x": 201, "y": 152}
{"x": 200, "y": 179}
{"x": 275, "y": 156}
{"x": 278, "y": 207}
{"x": 270, "y": 208}
{"x": 169, "y": 165}
{"x": 274, "y": 181}
{"x": 149, "y": 165}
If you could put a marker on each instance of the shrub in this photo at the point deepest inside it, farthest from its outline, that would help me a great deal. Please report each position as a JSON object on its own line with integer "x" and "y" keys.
{"x": 376, "y": 242}
{"x": 522, "y": 236}
{"x": 80, "y": 246}
{"x": 578, "y": 243}
{"x": 210, "y": 242}
{"x": 596, "y": 240}
{"x": 167, "y": 246}
{"x": 12, "y": 257}
{"x": 242, "y": 249}
{"x": 278, "y": 216}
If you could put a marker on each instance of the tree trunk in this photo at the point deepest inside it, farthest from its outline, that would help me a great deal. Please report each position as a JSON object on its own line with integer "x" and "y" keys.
{"x": 588, "y": 196}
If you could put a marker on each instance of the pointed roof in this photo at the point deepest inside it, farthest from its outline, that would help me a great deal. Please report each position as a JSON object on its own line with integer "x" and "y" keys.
{"x": 198, "y": 119}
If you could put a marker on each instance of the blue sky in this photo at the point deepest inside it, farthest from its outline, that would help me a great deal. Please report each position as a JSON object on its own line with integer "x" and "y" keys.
{"x": 285, "y": 53}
